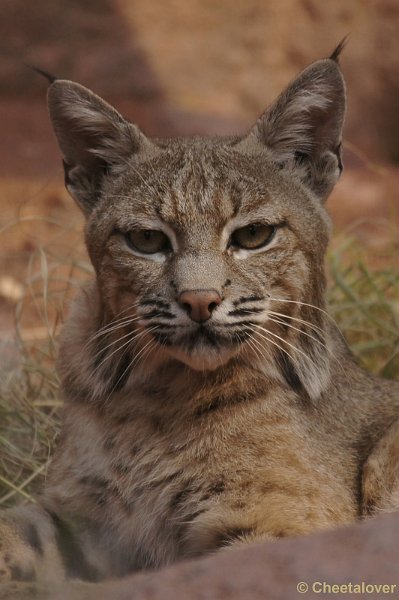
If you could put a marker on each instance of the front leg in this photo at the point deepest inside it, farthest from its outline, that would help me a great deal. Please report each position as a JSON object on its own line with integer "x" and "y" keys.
{"x": 380, "y": 482}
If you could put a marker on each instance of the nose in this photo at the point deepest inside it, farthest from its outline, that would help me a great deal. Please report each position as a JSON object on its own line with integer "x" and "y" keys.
{"x": 199, "y": 304}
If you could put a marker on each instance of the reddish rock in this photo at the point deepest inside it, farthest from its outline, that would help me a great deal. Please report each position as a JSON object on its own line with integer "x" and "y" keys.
{"x": 364, "y": 555}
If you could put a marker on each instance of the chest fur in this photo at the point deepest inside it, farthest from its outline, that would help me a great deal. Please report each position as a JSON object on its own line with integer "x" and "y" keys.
{"x": 168, "y": 488}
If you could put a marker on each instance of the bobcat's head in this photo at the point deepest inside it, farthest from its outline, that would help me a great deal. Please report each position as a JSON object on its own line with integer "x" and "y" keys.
{"x": 209, "y": 249}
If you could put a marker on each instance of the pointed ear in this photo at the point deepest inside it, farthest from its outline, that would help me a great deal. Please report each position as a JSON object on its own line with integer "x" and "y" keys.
{"x": 303, "y": 128}
{"x": 95, "y": 140}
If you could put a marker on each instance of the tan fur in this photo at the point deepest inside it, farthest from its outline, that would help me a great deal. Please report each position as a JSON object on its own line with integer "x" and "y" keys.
{"x": 381, "y": 474}
{"x": 179, "y": 438}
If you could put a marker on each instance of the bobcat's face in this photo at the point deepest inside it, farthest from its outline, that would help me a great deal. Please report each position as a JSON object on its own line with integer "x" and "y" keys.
{"x": 209, "y": 249}
{"x": 206, "y": 252}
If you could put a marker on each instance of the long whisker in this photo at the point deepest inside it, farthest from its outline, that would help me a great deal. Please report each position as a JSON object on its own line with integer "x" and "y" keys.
{"x": 238, "y": 337}
{"x": 260, "y": 349}
{"x": 285, "y": 341}
{"x": 324, "y": 312}
{"x": 273, "y": 342}
{"x": 136, "y": 358}
{"x": 321, "y": 310}
{"x": 336, "y": 359}
{"x": 129, "y": 341}
{"x": 281, "y": 322}
{"x": 125, "y": 310}
{"x": 115, "y": 324}
{"x": 130, "y": 365}
{"x": 140, "y": 357}
{"x": 308, "y": 323}
{"x": 257, "y": 348}
{"x": 158, "y": 349}
{"x": 116, "y": 341}
{"x": 113, "y": 327}
{"x": 104, "y": 329}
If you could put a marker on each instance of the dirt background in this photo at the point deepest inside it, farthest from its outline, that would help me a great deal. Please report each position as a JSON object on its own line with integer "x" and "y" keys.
{"x": 181, "y": 67}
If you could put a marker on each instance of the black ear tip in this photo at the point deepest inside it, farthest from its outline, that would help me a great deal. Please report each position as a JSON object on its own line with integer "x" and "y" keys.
{"x": 50, "y": 78}
{"x": 336, "y": 53}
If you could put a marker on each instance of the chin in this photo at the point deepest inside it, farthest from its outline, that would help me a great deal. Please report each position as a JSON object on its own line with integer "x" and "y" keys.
{"x": 203, "y": 358}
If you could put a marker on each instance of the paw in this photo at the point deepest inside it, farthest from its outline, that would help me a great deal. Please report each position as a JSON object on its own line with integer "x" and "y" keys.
{"x": 16, "y": 562}
{"x": 12, "y": 569}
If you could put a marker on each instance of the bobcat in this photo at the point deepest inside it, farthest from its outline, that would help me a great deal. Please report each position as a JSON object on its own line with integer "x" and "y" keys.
{"x": 209, "y": 398}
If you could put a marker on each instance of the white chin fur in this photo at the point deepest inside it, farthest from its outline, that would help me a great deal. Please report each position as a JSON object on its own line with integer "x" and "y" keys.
{"x": 202, "y": 359}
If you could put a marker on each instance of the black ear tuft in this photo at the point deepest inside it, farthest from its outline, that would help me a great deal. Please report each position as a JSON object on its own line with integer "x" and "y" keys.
{"x": 50, "y": 78}
{"x": 336, "y": 54}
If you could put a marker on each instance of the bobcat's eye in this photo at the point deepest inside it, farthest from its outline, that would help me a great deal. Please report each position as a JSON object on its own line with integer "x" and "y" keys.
{"x": 253, "y": 236}
{"x": 148, "y": 241}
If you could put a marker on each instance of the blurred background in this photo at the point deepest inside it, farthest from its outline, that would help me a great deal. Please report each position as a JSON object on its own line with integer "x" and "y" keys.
{"x": 180, "y": 67}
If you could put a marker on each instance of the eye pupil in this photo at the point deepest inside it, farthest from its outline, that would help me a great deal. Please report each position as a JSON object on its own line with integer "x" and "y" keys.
{"x": 253, "y": 236}
{"x": 148, "y": 241}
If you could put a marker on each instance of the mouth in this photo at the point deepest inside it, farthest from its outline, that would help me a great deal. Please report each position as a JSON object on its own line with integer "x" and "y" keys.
{"x": 203, "y": 336}
{"x": 205, "y": 347}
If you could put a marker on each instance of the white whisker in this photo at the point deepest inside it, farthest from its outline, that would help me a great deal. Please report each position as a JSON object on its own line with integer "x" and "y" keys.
{"x": 130, "y": 365}
{"x": 308, "y": 323}
{"x": 136, "y": 358}
{"x": 263, "y": 329}
{"x": 113, "y": 327}
{"x": 104, "y": 329}
{"x": 321, "y": 310}
{"x": 281, "y": 322}
{"x": 116, "y": 341}
{"x": 274, "y": 343}
{"x": 258, "y": 349}
{"x": 129, "y": 341}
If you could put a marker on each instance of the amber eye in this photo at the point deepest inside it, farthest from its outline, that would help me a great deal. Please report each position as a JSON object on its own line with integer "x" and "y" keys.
{"x": 253, "y": 236}
{"x": 148, "y": 241}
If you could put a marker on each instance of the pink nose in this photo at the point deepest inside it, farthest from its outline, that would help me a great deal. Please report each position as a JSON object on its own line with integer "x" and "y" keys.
{"x": 199, "y": 304}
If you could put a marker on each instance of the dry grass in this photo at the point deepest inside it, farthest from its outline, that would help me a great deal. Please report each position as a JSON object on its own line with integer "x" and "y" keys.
{"x": 363, "y": 301}
{"x": 30, "y": 402}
